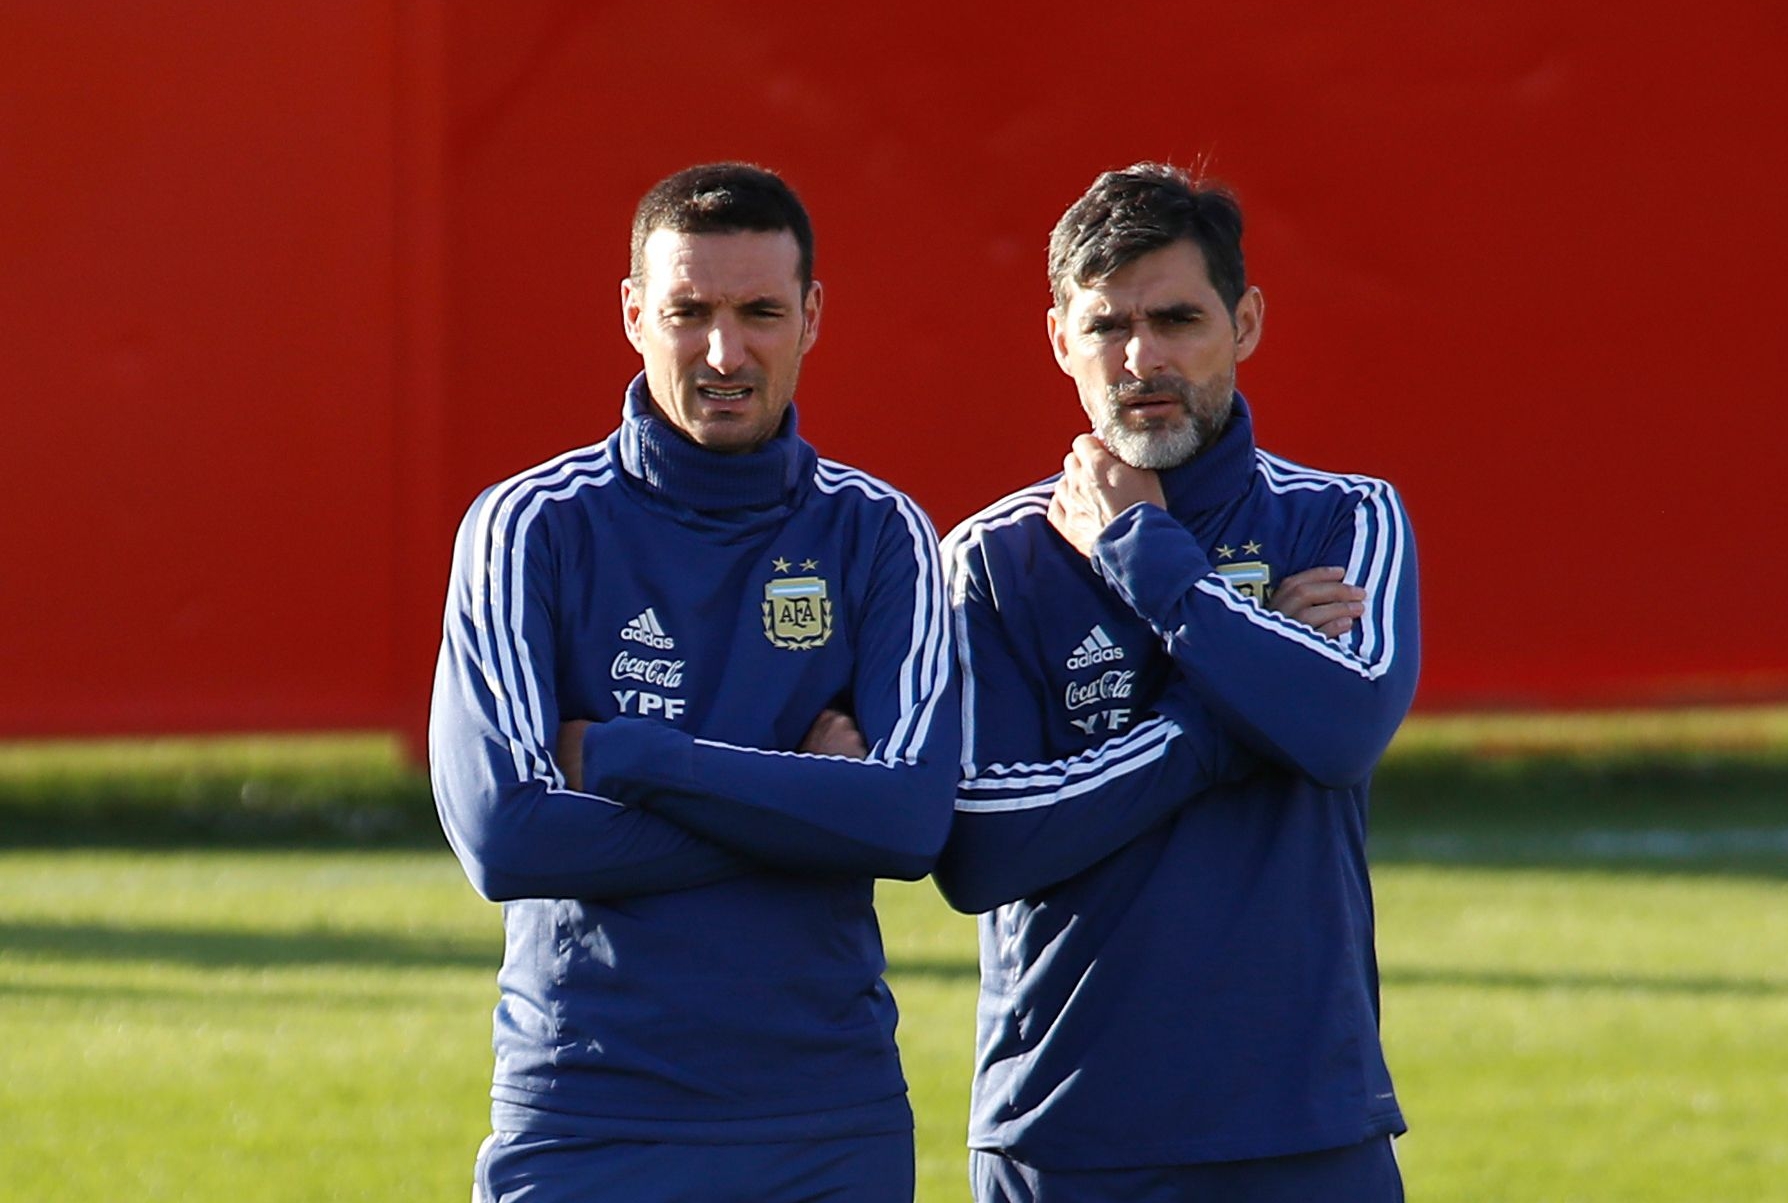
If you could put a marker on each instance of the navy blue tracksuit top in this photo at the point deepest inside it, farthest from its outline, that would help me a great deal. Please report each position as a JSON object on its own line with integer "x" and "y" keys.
{"x": 691, "y": 949}
{"x": 1163, "y": 816}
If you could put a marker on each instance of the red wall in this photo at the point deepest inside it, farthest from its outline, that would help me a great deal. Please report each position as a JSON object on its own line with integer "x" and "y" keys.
{"x": 285, "y": 285}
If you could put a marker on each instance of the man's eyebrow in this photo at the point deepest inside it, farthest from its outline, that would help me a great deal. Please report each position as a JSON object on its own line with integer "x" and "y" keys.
{"x": 1179, "y": 309}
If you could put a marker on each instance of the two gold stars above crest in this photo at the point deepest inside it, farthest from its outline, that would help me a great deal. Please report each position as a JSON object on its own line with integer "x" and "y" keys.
{"x": 782, "y": 565}
{"x": 1250, "y": 548}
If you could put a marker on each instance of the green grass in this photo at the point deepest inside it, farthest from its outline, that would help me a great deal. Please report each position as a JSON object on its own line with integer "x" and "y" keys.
{"x": 219, "y": 1025}
{"x": 1585, "y": 964}
{"x": 314, "y": 1025}
{"x": 246, "y": 1025}
{"x": 1584, "y": 1035}
{"x": 266, "y": 790}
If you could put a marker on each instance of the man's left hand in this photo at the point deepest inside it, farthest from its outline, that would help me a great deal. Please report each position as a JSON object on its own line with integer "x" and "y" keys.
{"x": 835, "y": 733}
{"x": 1320, "y": 598}
{"x": 1096, "y": 486}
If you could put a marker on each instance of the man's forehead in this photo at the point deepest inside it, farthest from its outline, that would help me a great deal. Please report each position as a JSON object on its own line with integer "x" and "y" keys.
{"x": 757, "y": 262}
{"x": 1171, "y": 275}
{"x": 1100, "y": 298}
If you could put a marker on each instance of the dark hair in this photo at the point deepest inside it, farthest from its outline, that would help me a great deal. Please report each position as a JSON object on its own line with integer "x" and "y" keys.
{"x": 1146, "y": 206}
{"x": 721, "y": 198}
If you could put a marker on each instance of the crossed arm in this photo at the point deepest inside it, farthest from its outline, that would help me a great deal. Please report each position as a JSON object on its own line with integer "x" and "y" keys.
{"x": 539, "y": 808}
{"x": 1095, "y": 487}
{"x": 1322, "y": 707}
{"x": 834, "y": 733}
{"x": 1026, "y": 822}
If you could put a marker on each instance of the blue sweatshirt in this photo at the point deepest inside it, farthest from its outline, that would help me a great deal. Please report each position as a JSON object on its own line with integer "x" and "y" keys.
{"x": 691, "y": 948}
{"x": 1163, "y": 813}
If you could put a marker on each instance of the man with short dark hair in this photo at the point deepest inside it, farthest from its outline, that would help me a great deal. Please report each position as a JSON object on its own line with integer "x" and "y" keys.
{"x": 695, "y": 694}
{"x": 1182, "y": 658}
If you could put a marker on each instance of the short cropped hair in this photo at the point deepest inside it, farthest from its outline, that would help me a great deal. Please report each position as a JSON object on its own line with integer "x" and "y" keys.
{"x": 1147, "y": 206}
{"x": 721, "y": 198}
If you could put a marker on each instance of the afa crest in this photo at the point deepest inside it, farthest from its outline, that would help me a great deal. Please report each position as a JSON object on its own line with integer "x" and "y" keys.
{"x": 1251, "y": 578}
{"x": 797, "y": 612}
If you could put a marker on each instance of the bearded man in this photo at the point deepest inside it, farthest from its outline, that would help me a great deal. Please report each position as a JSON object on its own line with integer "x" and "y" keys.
{"x": 1182, "y": 658}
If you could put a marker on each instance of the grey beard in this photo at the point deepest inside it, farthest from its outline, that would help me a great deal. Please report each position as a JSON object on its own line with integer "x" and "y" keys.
{"x": 1157, "y": 449}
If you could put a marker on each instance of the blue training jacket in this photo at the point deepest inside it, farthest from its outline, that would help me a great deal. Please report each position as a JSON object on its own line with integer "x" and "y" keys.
{"x": 691, "y": 949}
{"x": 1163, "y": 813}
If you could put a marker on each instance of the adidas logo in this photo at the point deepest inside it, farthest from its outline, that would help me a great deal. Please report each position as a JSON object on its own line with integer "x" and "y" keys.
{"x": 644, "y": 628}
{"x": 1096, "y": 648}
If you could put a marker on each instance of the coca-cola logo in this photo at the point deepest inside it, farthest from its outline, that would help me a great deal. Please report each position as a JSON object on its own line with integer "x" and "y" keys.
{"x": 667, "y": 674}
{"x": 1109, "y": 686}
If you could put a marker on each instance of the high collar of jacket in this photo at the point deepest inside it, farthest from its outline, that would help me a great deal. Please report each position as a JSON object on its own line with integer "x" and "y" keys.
{"x": 662, "y": 459}
{"x": 1217, "y": 473}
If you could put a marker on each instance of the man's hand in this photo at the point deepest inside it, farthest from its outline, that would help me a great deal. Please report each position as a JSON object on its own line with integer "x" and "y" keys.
{"x": 1319, "y": 598}
{"x": 571, "y": 751}
{"x": 1096, "y": 486}
{"x": 834, "y": 733}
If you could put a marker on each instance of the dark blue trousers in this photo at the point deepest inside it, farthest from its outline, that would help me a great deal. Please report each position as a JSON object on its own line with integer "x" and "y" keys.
{"x": 1362, "y": 1173}
{"x": 526, "y": 1168}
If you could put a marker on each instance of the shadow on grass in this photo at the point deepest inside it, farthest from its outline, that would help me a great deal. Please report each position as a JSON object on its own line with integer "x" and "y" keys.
{"x": 1677, "y": 815}
{"x": 252, "y": 993}
{"x": 941, "y": 969}
{"x": 224, "y": 948}
{"x": 1610, "y": 983}
{"x": 290, "y": 810}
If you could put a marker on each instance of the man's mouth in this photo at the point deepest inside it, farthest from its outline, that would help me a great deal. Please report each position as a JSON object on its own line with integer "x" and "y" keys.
{"x": 1152, "y": 407}
{"x": 724, "y": 392}
{"x": 1148, "y": 403}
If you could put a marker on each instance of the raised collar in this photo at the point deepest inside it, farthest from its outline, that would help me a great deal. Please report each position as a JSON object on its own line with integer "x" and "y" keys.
{"x": 1216, "y": 474}
{"x": 669, "y": 465}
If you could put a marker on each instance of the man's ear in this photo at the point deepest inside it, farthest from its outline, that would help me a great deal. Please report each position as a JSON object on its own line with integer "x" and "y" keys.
{"x": 810, "y": 316}
{"x": 1058, "y": 338}
{"x": 632, "y": 300}
{"x": 1250, "y": 316}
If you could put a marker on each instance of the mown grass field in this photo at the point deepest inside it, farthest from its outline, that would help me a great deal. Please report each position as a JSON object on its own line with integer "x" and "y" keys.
{"x": 234, "y": 974}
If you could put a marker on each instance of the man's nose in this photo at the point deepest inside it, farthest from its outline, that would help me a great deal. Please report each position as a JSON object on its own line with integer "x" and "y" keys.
{"x": 1142, "y": 354}
{"x": 726, "y": 347}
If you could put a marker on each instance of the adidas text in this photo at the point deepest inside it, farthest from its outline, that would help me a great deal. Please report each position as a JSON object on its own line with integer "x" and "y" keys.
{"x": 1096, "y": 648}
{"x": 644, "y": 628}
{"x": 1087, "y": 657}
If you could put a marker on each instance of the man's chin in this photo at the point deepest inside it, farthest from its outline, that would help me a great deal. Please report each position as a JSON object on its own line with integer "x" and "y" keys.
{"x": 1155, "y": 450}
{"x": 729, "y": 434}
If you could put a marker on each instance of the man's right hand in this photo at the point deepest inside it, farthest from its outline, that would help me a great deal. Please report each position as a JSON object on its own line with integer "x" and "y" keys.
{"x": 1319, "y": 598}
{"x": 571, "y": 751}
{"x": 1095, "y": 487}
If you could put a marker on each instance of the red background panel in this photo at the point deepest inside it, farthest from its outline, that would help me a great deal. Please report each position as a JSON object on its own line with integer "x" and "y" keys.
{"x": 196, "y": 243}
{"x": 287, "y": 286}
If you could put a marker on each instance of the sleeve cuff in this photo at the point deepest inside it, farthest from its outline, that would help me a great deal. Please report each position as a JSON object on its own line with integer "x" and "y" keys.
{"x": 627, "y": 760}
{"x": 1150, "y": 560}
